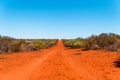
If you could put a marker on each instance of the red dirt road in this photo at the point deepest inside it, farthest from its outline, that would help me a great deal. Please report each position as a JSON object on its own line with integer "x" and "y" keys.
{"x": 59, "y": 63}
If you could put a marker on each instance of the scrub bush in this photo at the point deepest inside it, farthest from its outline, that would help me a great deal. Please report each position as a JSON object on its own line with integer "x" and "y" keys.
{"x": 74, "y": 43}
{"x": 103, "y": 41}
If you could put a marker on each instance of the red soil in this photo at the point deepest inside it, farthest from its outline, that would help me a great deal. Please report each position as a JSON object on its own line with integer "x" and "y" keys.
{"x": 59, "y": 63}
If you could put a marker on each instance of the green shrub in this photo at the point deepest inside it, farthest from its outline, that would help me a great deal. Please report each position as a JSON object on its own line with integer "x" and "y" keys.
{"x": 74, "y": 43}
{"x": 39, "y": 44}
{"x": 49, "y": 42}
{"x": 78, "y": 44}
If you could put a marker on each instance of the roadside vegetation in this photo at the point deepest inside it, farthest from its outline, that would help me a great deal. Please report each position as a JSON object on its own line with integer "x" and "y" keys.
{"x": 104, "y": 41}
{"x": 9, "y": 45}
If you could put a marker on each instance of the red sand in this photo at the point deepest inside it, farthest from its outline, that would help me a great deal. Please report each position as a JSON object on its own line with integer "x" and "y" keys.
{"x": 59, "y": 63}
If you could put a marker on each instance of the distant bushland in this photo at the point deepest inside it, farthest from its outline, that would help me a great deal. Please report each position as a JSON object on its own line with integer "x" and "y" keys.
{"x": 9, "y": 45}
{"x": 104, "y": 41}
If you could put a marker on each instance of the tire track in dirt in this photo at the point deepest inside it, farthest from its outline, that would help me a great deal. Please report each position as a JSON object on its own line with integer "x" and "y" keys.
{"x": 81, "y": 71}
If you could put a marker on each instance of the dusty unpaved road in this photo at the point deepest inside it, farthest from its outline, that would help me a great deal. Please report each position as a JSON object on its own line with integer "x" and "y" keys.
{"x": 59, "y": 63}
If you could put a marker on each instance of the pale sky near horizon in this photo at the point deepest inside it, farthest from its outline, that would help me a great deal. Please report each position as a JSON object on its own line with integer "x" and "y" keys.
{"x": 58, "y": 18}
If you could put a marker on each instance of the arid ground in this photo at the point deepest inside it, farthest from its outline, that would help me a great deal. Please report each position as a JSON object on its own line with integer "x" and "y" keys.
{"x": 59, "y": 63}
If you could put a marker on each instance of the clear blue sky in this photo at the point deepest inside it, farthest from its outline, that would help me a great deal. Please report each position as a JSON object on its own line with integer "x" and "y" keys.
{"x": 58, "y": 18}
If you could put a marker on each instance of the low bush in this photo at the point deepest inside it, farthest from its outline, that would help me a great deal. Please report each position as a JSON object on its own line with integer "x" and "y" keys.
{"x": 74, "y": 43}
{"x": 16, "y": 45}
{"x": 39, "y": 44}
{"x": 5, "y": 43}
